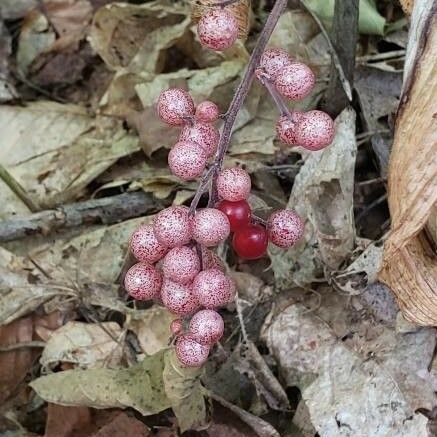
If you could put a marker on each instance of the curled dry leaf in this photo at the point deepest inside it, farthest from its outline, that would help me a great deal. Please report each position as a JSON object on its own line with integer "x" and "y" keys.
{"x": 86, "y": 344}
{"x": 409, "y": 264}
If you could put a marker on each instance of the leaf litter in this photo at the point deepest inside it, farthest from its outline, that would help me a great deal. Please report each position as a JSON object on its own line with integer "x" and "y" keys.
{"x": 328, "y": 350}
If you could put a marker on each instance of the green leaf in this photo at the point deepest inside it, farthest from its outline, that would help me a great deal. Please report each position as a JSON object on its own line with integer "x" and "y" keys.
{"x": 370, "y": 21}
{"x": 140, "y": 387}
{"x": 183, "y": 388}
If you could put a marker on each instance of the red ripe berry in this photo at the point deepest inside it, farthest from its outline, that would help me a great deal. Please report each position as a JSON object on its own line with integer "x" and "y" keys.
{"x": 273, "y": 60}
{"x": 295, "y": 81}
{"x": 217, "y": 29}
{"x": 181, "y": 265}
{"x": 207, "y": 111}
{"x": 178, "y": 299}
{"x": 175, "y": 105}
{"x": 143, "y": 282}
{"x": 213, "y": 289}
{"x": 206, "y": 327}
{"x": 204, "y": 134}
{"x": 210, "y": 227}
{"x": 144, "y": 245}
{"x": 172, "y": 226}
{"x": 238, "y": 213}
{"x": 233, "y": 184}
{"x": 190, "y": 353}
{"x": 315, "y": 130}
{"x": 250, "y": 242}
{"x": 284, "y": 228}
{"x": 187, "y": 160}
{"x": 286, "y": 127}
{"x": 176, "y": 327}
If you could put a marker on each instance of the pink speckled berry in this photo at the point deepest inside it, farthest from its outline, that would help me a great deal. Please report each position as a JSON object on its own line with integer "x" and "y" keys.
{"x": 233, "y": 184}
{"x": 176, "y": 327}
{"x": 207, "y": 111}
{"x": 175, "y": 105}
{"x": 284, "y": 228}
{"x": 211, "y": 260}
{"x": 273, "y": 60}
{"x": 295, "y": 81}
{"x": 213, "y": 288}
{"x": 210, "y": 227}
{"x": 178, "y": 299}
{"x": 172, "y": 226}
{"x": 144, "y": 245}
{"x": 143, "y": 282}
{"x": 181, "y": 265}
{"x": 286, "y": 127}
{"x": 187, "y": 160}
{"x": 315, "y": 130}
{"x": 217, "y": 29}
{"x": 204, "y": 134}
{"x": 190, "y": 353}
{"x": 206, "y": 327}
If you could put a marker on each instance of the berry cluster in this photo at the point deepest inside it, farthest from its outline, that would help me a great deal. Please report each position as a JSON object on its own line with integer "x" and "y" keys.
{"x": 312, "y": 130}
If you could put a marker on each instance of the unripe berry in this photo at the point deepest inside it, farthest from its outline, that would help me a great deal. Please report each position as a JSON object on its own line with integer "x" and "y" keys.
{"x": 286, "y": 127}
{"x": 172, "y": 226}
{"x": 206, "y": 327}
{"x": 210, "y": 227}
{"x": 238, "y": 213}
{"x": 178, "y": 299}
{"x": 187, "y": 160}
{"x": 175, "y": 105}
{"x": 217, "y": 29}
{"x": 295, "y": 81}
{"x": 181, "y": 265}
{"x": 273, "y": 60}
{"x": 207, "y": 111}
{"x": 144, "y": 245}
{"x": 233, "y": 184}
{"x": 176, "y": 327}
{"x": 204, "y": 134}
{"x": 190, "y": 353}
{"x": 143, "y": 282}
{"x": 315, "y": 130}
{"x": 213, "y": 289}
{"x": 250, "y": 242}
{"x": 284, "y": 228}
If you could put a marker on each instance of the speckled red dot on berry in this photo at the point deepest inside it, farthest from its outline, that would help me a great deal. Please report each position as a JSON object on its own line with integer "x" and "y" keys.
{"x": 284, "y": 228}
{"x": 213, "y": 288}
{"x": 178, "y": 299}
{"x": 211, "y": 260}
{"x": 190, "y": 353}
{"x": 143, "y": 282}
{"x": 204, "y": 134}
{"x": 187, "y": 160}
{"x": 176, "y": 327}
{"x": 295, "y": 81}
{"x": 172, "y": 226}
{"x": 217, "y": 29}
{"x": 174, "y": 106}
{"x": 233, "y": 184}
{"x": 210, "y": 227}
{"x": 273, "y": 60}
{"x": 206, "y": 327}
{"x": 181, "y": 265}
{"x": 144, "y": 245}
{"x": 207, "y": 112}
{"x": 286, "y": 127}
{"x": 315, "y": 130}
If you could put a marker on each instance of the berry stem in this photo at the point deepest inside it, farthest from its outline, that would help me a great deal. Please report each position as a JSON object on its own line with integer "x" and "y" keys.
{"x": 201, "y": 189}
{"x": 277, "y": 98}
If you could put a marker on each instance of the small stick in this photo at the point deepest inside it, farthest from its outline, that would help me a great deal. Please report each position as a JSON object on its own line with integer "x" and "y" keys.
{"x": 24, "y": 345}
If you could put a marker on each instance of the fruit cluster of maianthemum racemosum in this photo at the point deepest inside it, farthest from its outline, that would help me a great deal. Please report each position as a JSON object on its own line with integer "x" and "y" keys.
{"x": 177, "y": 265}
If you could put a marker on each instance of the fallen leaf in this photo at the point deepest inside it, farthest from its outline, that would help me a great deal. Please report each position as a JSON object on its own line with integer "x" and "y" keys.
{"x": 370, "y": 21}
{"x": 409, "y": 263}
{"x": 15, "y": 9}
{"x": 140, "y": 387}
{"x": 322, "y": 195}
{"x": 7, "y": 89}
{"x": 86, "y": 344}
{"x": 123, "y": 426}
{"x": 66, "y": 421}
